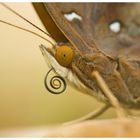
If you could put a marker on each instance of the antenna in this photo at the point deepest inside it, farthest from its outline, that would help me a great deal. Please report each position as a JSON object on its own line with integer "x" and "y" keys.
{"x": 10, "y": 24}
{"x": 14, "y": 12}
{"x": 21, "y": 28}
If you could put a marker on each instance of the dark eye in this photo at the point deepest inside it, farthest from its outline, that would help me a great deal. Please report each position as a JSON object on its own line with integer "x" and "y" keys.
{"x": 64, "y": 55}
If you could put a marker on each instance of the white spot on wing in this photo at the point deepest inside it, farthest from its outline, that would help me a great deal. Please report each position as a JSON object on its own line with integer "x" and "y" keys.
{"x": 115, "y": 26}
{"x": 72, "y": 16}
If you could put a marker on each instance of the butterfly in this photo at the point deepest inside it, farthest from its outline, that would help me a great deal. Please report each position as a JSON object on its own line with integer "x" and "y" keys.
{"x": 94, "y": 47}
{"x": 103, "y": 38}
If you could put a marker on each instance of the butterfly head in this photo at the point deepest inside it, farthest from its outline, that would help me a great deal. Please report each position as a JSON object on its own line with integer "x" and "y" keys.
{"x": 60, "y": 57}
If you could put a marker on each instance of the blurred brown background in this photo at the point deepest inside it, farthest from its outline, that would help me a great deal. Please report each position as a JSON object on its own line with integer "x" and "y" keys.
{"x": 24, "y": 101}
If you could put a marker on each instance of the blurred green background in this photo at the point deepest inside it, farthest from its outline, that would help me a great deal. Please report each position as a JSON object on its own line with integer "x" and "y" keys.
{"x": 24, "y": 101}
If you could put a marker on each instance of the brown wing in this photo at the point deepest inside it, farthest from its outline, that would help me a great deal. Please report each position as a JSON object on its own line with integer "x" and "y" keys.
{"x": 95, "y": 23}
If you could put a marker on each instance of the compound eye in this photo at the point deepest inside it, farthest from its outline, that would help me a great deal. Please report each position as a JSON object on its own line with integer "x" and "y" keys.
{"x": 64, "y": 55}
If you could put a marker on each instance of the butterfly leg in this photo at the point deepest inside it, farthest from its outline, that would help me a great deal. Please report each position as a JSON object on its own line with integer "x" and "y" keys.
{"x": 91, "y": 115}
{"x": 108, "y": 93}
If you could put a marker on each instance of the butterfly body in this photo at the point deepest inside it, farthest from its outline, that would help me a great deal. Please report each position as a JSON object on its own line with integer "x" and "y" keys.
{"x": 79, "y": 74}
